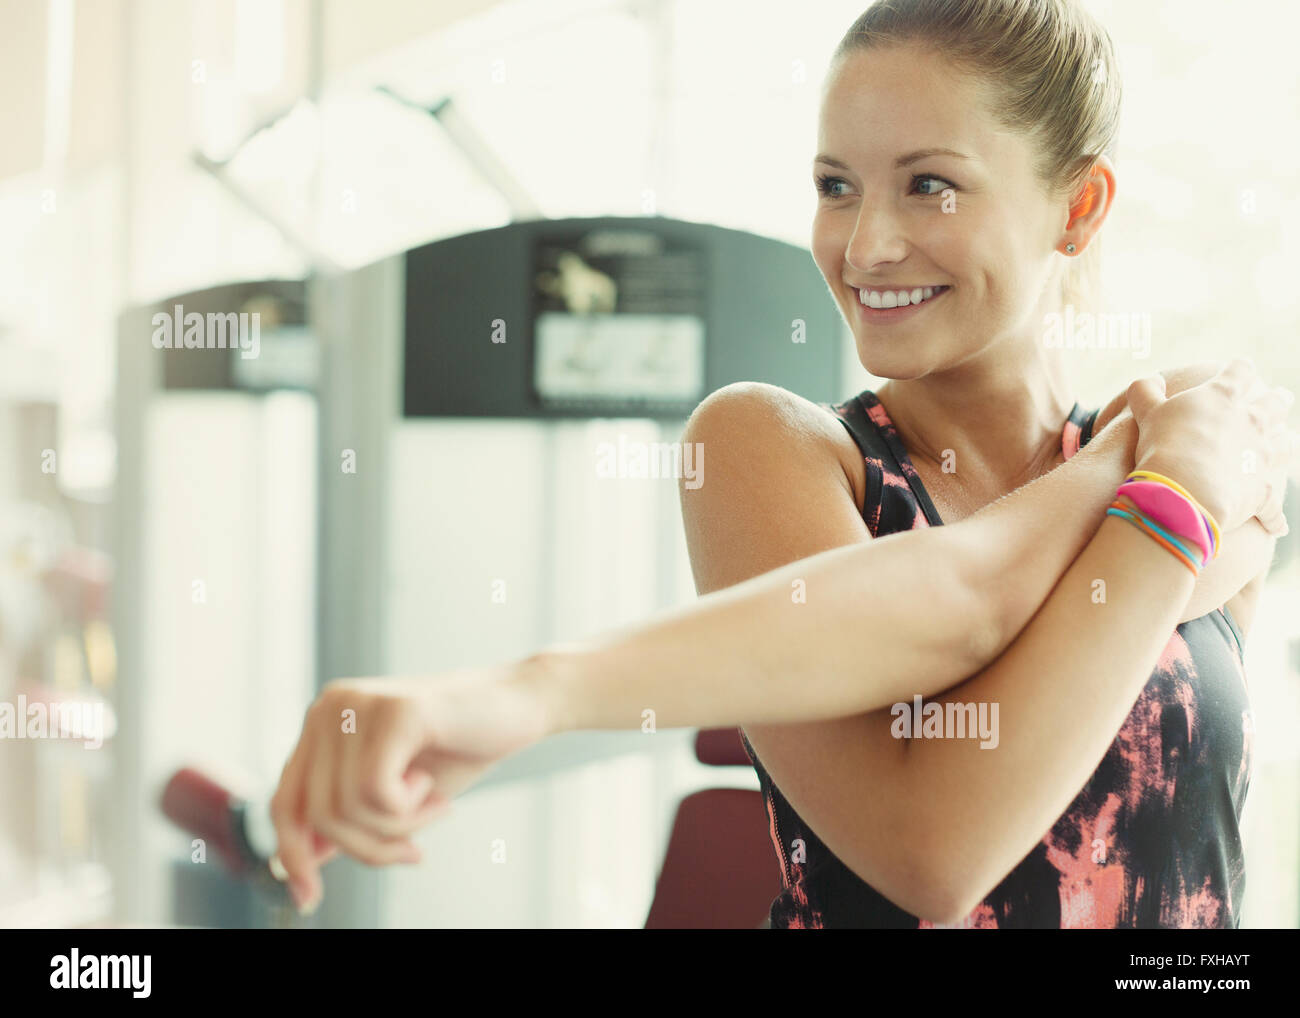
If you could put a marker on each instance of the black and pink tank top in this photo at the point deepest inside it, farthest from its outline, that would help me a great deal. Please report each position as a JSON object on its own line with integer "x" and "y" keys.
{"x": 1150, "y": 841}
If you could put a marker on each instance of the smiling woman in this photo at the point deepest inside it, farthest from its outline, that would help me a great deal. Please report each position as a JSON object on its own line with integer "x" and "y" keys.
{"x": 1020, "y": 185}
{"x": 964, "y": 161}
{"x": 1042, "y": 71}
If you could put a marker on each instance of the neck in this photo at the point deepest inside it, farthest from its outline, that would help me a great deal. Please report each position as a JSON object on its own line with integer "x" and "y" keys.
{"x": 1000, "y": 416}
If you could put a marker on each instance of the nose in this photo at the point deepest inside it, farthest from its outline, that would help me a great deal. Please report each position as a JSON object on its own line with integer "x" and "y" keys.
{"x": 877, "y": 238}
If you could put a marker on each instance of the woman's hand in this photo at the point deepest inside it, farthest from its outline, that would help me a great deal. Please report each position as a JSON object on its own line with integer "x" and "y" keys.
{"x": 379, "y": 759}
{"x": 1177, "y": 380}
{"x": 1225, "y": 440}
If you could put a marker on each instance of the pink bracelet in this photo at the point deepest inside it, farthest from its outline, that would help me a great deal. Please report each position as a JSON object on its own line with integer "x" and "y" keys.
{"x": 1172, "y": 511}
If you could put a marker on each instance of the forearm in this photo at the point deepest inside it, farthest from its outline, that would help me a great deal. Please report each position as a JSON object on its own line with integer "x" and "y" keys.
{"x": 840, "y": 632}
{"x": 1037, "y": 531}
{"x": 1062, "y": 690}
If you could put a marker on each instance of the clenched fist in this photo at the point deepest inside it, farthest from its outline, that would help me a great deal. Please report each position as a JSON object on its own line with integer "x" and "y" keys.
{"x": 380, "y": 758}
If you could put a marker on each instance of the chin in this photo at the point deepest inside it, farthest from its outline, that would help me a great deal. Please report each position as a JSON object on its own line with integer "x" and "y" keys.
{"x": 892, "y": 364}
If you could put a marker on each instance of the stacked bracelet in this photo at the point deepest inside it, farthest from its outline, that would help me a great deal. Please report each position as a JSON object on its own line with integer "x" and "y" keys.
{"x": 1160, "y": 503}
{"x": 1170, "y": 516}
{"x": 1141, "y": 480}
{"x": 1158, "y": 534}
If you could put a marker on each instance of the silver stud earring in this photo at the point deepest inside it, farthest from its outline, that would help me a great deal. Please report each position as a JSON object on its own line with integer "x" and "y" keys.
{"x": 1069, "y": 249}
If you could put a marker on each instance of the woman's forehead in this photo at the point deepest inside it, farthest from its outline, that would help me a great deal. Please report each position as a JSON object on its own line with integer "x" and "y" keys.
{"x": 879, "y": 105}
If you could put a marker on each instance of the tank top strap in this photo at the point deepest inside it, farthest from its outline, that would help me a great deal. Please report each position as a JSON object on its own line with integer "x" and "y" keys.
{"x": 890, "y": 503}
{"x": 895, "y": 498}
{"x": 1078, "y": 429}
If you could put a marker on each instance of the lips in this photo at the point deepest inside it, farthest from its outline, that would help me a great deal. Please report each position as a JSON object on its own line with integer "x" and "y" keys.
{"x": 900, "y": 297}
{"x": 884, "y": 316}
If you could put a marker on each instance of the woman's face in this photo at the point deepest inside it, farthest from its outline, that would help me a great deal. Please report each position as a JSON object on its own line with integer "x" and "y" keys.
{"x": 896, "y": 215}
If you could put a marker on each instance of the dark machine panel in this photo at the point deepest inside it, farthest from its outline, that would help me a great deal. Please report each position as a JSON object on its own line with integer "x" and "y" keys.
{"x": 635, "y": 317}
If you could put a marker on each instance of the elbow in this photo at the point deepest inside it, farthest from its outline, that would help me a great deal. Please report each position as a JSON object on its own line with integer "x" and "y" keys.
{"x": 925, "y": 882}
{"x": 943, "y": 897}
{"x": 934, "y": 868}
{"x": 947, "y": 906}
{"x": 960, "y": 871}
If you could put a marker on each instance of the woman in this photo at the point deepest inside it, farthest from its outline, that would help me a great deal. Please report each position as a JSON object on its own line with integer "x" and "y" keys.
{"x": 1142, "y": 832}
{"x": 1040, "y": 602}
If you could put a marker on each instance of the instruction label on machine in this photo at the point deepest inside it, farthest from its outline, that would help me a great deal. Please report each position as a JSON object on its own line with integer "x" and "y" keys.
{"x": 618, "y": 323}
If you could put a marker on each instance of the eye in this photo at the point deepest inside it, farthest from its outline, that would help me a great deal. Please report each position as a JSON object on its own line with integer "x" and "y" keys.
{"x": 825, "y": 183}
{"x": 920, "y": 180}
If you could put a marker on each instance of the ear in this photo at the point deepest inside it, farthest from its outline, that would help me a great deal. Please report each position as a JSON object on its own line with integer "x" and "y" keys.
{"x": 1089, "y": 208}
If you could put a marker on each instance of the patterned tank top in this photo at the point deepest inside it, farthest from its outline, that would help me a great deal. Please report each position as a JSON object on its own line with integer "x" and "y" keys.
{"x": 1150, "y": 841}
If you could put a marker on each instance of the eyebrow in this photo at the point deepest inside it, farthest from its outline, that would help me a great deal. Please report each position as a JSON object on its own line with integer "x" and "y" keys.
{"x": 907, "y": 160}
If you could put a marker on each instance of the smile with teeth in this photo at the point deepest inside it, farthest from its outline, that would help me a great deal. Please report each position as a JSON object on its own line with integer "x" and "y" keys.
{"x": 898, "y": 298}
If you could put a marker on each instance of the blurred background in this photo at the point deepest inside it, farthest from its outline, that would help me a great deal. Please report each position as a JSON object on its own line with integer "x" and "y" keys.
{"x": 193, "y": 538}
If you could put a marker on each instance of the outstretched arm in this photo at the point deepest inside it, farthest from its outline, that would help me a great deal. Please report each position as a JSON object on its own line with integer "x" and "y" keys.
{"x": 854, "y": 624}
{"x": 817, "y": 619}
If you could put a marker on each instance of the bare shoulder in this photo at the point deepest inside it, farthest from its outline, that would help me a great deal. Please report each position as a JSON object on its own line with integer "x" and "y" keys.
{"x": 774, "y": 484}
{"x": 769, "y": 422}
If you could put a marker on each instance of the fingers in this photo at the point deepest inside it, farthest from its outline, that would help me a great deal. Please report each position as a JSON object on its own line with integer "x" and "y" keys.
{"x": 1271, "y": 406}
{"x": 336, "y": 769}
{"x": 1281, "y": 457}
{"x": 1273, "y": 519}
{"x": 296, "y": 846}
{"x": 325, "y": 849}
{"x": 1237, "y": 375}
{"x": 378, "y": 795}
{"x": 383, "y": 792}
{"x": 1289, "y": 452}
{"x": 362, "y": 780}
{"x": 1145, "y": 394}
{"x": 310, "y": 829}
{"x": 1270, "y": 513}
{"x": 1181, "y": 379}
{"x": 1268, "y": 416}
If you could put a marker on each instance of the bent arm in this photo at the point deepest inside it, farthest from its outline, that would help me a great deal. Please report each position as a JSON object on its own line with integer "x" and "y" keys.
{"x": 942, "y": 821}
{"x": 1064, "y": 688}
{"x": 818, "y": 619}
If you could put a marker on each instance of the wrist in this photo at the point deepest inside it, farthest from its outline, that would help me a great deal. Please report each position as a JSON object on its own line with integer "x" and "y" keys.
{"x": 1185, "y": 476}
{"x": 1159, "y": 548}
{"x": 1185, "y": 528}
{"x": 547, "y": 679}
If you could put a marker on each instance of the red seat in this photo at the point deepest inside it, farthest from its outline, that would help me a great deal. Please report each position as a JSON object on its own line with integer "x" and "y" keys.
{"x": 720, "y": 870}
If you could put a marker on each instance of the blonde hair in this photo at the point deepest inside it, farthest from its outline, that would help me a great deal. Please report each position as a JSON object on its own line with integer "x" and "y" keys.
{"x": 1050, "y": 73}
